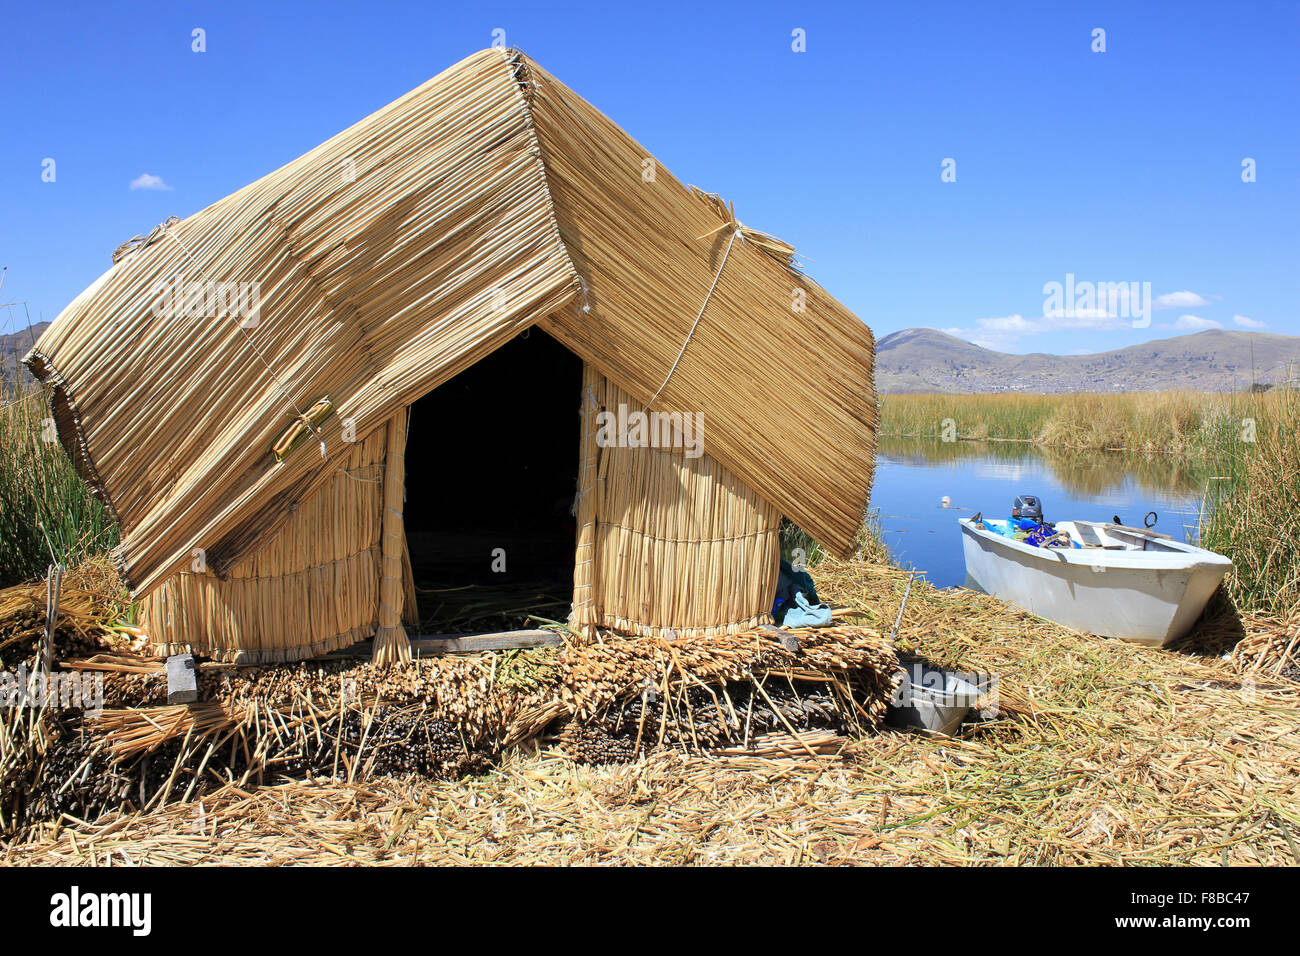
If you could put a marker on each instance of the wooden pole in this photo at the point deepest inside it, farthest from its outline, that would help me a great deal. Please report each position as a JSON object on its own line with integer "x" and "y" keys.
{"x": 53, "y": 591}
{"x": 585, "y": 613}
{"x": 391, "y": 643}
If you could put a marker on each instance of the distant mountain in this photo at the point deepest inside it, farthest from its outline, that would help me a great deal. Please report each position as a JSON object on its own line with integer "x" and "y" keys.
{"x": 12, "y": 349}
{"x": 926, "y": 360}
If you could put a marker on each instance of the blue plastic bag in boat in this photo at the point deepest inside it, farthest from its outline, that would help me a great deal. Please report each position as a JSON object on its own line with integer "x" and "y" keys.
{"x": 1040, "y": 534}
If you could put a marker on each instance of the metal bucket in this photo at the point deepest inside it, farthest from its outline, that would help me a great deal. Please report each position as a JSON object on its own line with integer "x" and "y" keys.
{"x": 932, "y": 699}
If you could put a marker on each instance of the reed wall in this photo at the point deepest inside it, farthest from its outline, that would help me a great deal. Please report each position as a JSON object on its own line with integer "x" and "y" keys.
{"x": 310, "y": 590}
{"x": 781, "y": 371}
{"x": 675, "y": 543}
{"x": 666, "y": 545}
{"x": 388, "y": 259}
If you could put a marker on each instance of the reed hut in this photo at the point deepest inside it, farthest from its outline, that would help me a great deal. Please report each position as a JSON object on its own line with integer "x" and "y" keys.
{"x": 289, "y": 398}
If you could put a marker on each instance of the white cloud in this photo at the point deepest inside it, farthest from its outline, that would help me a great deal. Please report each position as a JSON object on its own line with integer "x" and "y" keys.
{"x": 1180, "y": 300}
{"x": 1083, "y": 319}
{"x": 1190, "y": 322}
{"x": 148, "y": 181}
{"x": 1249, "y": 323}
{"x": 998, "y": 332}
{"x": 1015, "y": 324}
{"x": 1002, "y": 332}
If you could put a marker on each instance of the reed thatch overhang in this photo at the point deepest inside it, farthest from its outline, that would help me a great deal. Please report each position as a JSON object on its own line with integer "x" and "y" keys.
{"x": 402, "y": 251}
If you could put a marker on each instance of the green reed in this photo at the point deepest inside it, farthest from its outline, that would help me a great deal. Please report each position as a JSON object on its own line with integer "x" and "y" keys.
{"x": 47, "y": 512}
{"x": 1252, "y": 505}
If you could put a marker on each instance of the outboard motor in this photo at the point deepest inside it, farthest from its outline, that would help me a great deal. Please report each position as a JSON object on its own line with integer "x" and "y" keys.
{"x": 1028, "y": 507}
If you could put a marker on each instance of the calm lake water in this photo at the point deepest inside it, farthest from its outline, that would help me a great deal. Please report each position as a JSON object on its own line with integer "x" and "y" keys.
{"x": 913, "y": 475}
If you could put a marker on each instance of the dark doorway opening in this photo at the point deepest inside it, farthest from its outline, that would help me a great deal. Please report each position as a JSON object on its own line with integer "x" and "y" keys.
{"x": 491, "y": 471}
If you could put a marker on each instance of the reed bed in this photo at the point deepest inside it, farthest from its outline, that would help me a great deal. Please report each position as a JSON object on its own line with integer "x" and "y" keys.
{"x": 1252, "y": 512}
{"x": 1174, "y": 423}
{"x": 440, "y": 717}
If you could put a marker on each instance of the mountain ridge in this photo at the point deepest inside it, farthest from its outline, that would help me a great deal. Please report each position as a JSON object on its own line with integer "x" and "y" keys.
{"x": 927, "y": 360}
{"x": 13, "y": 346}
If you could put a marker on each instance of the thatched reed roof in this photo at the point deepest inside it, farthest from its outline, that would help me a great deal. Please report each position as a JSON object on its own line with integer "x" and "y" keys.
{"x": 407, "y": 248}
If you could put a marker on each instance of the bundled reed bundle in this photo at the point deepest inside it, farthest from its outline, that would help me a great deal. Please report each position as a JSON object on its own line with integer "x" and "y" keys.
{"x": 586, "y": 616}
{"x": 47, "y": 768}
{"x": 1270, "y": 648}
{"x": 439, "y": 718}
{"x": 821, "y": 743}
{"x": 856, "y": 666}
{"x": 86, "y": 616}
{"x": 735, "y": 719}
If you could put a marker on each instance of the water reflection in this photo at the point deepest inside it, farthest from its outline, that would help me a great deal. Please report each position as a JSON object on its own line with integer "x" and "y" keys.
{"x": 1082, "y": 473}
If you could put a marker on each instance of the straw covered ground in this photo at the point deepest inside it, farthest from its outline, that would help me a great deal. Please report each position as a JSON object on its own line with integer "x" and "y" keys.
{"x": 1096, "y": 751}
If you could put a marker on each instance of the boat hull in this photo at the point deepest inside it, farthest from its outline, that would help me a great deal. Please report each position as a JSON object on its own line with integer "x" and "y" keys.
{"x": 1152, "y": 597}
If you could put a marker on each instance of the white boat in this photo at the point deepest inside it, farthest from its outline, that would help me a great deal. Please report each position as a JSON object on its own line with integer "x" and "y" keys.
{"x": 1110, "y": 580}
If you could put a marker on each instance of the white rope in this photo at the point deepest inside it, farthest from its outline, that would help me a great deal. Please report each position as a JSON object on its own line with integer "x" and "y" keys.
{"x": 721, "y": 264}
{"x": 372, "y": 481}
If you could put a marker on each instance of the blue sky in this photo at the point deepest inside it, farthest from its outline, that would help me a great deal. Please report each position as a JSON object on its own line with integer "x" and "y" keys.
{"x": 1115, "y": 166}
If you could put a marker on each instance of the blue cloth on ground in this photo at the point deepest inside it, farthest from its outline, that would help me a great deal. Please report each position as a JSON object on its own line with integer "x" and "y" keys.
{"x": 804, "y": 614}
{"x": 789, "y": 582}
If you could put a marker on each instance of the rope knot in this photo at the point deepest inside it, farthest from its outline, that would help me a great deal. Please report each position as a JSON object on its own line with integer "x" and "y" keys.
{"x": 781, "y": 251}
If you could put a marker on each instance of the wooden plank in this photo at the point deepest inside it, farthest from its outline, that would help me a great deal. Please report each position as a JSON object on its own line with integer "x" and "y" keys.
{"x": 1111, "y": 526}
{"x": 432, "y": 645}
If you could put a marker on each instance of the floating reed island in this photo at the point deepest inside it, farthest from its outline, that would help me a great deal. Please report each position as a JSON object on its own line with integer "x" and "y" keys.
{"x": 315, "y": 410}
{"x": 1097, "y": 751}
{"x": 616, "y": 698}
